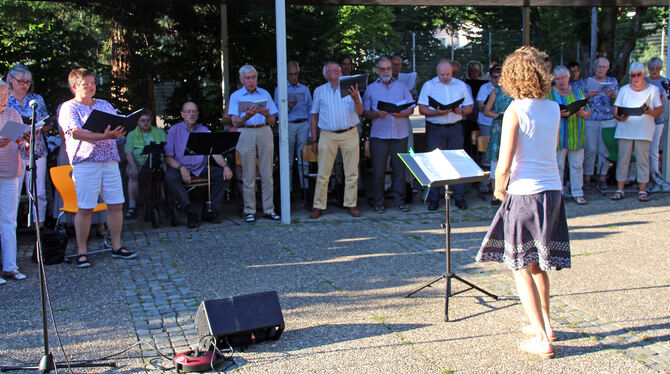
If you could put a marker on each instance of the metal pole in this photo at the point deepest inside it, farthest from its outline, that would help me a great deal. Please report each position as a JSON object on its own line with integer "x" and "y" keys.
{"x": 225, "y": 81}
{"x": 413, "y": 51}
{"x": 666, "y": 141}
{"x": 561, "y": 54}
{"x": 282, "y": 79}
{"x": 452, "y": 44}
{"x": 490, "y": 55}
{"x": 594, "y": 36}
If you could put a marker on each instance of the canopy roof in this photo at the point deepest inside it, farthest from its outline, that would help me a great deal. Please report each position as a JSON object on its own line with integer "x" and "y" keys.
{"x": 534, "y": 3}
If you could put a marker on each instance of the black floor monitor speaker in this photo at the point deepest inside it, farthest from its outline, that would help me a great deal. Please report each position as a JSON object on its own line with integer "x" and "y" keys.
{"x": 238, "y": 321}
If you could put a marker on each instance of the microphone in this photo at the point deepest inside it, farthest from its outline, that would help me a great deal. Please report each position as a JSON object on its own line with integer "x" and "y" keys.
{"x": 33, "y": 104}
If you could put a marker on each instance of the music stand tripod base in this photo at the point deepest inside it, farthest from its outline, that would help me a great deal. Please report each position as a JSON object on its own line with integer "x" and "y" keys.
{"x": 448, "y": 275}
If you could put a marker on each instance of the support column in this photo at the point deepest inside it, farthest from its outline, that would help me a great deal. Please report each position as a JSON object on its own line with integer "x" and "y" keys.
{"x": 225, "y": 81}
{"x": 526, "y": 25}
{"x": 282, "y": 84}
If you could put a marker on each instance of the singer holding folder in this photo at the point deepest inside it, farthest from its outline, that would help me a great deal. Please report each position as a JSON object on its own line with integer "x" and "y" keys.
{"x": 95, "y": 164}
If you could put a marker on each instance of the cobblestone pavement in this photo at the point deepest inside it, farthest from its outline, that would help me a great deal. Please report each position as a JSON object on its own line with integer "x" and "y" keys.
{"x": 344, "y": 278}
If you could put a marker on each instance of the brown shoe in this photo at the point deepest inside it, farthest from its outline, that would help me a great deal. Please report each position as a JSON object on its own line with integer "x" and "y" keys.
{"x": 354, "y": 212}
{"x": 316, "y": 213}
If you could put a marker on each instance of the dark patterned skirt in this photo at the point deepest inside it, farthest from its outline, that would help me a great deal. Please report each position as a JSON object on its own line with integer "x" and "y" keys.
{"x": 527, "y": 229}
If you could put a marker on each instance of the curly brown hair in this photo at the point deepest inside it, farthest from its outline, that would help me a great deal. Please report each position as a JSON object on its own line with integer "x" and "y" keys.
{"x": 524, "y": 74}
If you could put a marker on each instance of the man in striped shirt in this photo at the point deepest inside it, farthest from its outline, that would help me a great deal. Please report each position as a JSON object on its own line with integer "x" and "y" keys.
{"x": 337, "y": 118}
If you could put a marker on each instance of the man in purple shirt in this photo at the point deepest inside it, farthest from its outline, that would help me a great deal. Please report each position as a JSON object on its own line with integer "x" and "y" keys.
{"x": 181, "y": 167}
{"x": 389, "y": 133}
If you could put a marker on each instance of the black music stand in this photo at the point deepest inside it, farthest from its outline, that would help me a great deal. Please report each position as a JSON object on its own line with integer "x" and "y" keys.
{"x": 461, "y": 169}
{"x": 208, "y": 144}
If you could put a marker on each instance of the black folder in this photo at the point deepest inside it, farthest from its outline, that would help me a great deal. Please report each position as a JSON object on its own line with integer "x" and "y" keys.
{"x": 393, "y": 108}
{"x": 351, "y": 81}
{"x": 574, "y": 107}
{"x": 98, "y": 121}
{"x": 438, "y": 105}
{"x": 623, "y": 111}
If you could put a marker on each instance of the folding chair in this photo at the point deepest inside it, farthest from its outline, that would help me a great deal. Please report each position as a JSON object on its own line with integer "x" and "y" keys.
{"x": 62, "y": 180}
{"x": 312, "y": 160}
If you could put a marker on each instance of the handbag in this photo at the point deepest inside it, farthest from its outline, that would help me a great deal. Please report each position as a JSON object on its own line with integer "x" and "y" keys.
{"x": 54, "y": 245}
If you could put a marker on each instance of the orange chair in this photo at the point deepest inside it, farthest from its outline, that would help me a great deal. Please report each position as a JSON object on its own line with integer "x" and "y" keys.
{"x": 62, "y": 180}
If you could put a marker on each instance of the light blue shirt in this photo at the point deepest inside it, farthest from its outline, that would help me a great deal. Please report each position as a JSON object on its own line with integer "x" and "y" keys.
{"x": 388, "y": 127}
{"x": 301, "y": 109}
{"x": 660, "y": 120}
{"x": 243, "y": 95}
{"x": 335, "y": 112}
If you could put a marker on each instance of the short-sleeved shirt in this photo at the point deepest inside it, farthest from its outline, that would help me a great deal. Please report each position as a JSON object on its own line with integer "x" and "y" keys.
{"x": 243, "y": 95}
{"x": 660, "y": 120}
{"x": 11, "y": 165}
{"x": 24, "y": 109}
{"x": 388, "y": 127}
{"x": 301, "y": 109}
{"x": 175, "y": 145}
{"x": 72, "y": 116}
{"x": 335, "y": 112}
{"x": 601, "y": 105}
{"x": 157, "y": 136}
{"x": 456, "y": 89}
{"x": 637, "y": 127}
{"x": 483, "y": 94}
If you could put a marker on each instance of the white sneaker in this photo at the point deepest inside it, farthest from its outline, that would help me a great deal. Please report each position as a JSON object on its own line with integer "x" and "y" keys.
{"x": 2, "y": 281}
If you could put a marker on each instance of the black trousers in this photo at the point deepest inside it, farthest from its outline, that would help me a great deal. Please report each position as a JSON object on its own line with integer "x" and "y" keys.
{"x": 176, "y": 186}
{"x": 380, "y": 150}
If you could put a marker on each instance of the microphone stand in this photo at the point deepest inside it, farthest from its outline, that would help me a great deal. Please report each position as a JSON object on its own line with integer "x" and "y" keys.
{"x": 47, "y": 363}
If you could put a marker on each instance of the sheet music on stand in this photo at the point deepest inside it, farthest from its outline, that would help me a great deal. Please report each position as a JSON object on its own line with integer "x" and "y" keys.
{"x": 441, "y": 167}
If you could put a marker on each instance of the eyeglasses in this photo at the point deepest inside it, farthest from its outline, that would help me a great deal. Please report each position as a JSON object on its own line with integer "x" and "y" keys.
{"x": 25, "y": 82}
{"x": 636, "y": 75}
{"x": 292, "y": 74}
{"x": 385, "y": 69}
{"x": 334, "y": 69}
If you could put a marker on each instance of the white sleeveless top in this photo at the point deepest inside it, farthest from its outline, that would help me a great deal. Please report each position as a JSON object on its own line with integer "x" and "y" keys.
{"x": 534, "y": 166}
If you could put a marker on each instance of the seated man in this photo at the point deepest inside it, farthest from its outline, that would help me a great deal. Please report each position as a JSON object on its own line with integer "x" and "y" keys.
{"x": 141, "y": 136}
{"x": 181, "y": 167}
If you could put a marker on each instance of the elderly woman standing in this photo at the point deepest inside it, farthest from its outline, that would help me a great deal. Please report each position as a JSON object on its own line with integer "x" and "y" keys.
{"x": 11, "y": 171}
{"x": 527, "y": 181}
{"x": 572, "y": 132}
{"x": 601, "y": 102}
{"x": 655, "y": 65}
{"x": 95, "y": 164}
{"x": 21, "y": 87}
{"x": 635, "y": 133}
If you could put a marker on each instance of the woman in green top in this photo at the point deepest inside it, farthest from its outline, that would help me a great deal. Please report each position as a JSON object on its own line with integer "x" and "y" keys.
{"x": 142, "y": 135}
{"x": 496, "y": 104}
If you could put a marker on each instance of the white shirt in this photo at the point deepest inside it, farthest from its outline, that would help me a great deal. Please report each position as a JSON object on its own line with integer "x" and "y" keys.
{"x": 335, "y": 112}
{"x": 534, "y": 166}
{"x": 637, "y": 127}
{"x": 456, "y": 89}
{"x": 242, "y": 95}
{"x": 484, "y": 92}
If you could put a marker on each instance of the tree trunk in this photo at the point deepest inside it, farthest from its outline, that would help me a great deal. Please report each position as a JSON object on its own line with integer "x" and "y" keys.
{"x": 607, "y": 36}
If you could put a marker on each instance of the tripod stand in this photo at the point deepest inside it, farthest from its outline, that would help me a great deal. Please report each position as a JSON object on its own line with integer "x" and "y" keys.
{"x": 46, "y": 363}
{"x": 443, "y": 168}
{"x": 448, "y": 275}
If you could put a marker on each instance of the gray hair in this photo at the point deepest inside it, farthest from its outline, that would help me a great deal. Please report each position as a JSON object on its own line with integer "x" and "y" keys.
{"x": 654, "y": 62}
{"x": 325, "y": 66}
{"x": 637, "y": 67}
{"x": 293, "y": 63}
{"x": 382, "y": 59}
{"x": 560, "y": 70}
{"x": 601, "y": 59}
{"x": 18, "y": 69}
{"x": 247, "y": 69}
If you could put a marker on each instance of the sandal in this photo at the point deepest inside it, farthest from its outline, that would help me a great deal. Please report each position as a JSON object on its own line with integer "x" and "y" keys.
{"x": 643, "y": 196}
{"x": 530, "y": 331}
{"x": 83, "y": 263}
{"x": 130, "y": 213}
{"x": 536, "y": 347}
{"x": 602, "y": 185}
{"x": 617, "y": 195}
{"x": 580, "y": 200}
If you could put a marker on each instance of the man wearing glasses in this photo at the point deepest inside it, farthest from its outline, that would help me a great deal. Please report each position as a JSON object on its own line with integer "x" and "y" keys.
{"x": 337, "y": 120}
{"x": 388, "y": 135}
{"x": 255, "y": 122}
{"x": 181, "y": 168}
{"x": 299, "y": 104}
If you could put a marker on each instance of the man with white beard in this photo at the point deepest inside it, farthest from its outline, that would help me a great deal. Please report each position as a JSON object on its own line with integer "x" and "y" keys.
{"x": 388, "y": 135}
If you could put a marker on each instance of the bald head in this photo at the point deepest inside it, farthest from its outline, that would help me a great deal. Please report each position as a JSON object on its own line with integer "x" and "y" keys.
{"x": 189, "y": 113}
{"x": 444, "y": 71}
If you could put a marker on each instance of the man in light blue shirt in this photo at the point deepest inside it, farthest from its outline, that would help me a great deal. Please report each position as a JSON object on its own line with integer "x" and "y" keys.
{"x": 388, "y": 135}
{"x": 255, "y": 124}
{"x": 299, "y": 106}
